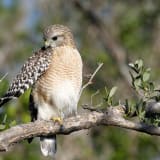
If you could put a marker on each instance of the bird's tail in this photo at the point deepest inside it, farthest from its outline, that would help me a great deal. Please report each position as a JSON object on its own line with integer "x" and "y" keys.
{"x": 4, "y": 100}
{"x": 48, "y": 145}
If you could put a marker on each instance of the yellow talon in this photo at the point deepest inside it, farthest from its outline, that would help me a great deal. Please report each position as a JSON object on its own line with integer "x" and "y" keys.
{"x": 57, "y": 120}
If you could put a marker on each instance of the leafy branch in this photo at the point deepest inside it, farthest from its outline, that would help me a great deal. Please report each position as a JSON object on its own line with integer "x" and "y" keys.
{"x": 147, "y": 93}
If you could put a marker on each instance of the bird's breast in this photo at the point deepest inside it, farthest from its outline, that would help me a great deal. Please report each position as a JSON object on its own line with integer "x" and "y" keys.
{"x": 60, "y": 85}
{"x": 66, "y": 65}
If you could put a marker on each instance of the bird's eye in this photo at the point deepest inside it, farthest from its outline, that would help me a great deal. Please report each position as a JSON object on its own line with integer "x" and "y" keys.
{"x": 54, "y": 38}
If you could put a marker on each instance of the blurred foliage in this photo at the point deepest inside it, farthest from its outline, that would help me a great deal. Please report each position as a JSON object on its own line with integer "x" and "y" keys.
{"x": 134, "y": 24}
{"x": 109, "y": 96}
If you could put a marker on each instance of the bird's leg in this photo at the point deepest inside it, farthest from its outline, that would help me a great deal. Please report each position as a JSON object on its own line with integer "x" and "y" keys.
{"x": 58, "y": 119}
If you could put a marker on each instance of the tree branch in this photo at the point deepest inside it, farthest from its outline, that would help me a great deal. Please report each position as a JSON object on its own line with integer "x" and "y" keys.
{"x": 112, "y": 116}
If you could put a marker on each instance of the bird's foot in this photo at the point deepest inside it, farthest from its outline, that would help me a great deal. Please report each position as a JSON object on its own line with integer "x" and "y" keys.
{"x": 58, "y": 120}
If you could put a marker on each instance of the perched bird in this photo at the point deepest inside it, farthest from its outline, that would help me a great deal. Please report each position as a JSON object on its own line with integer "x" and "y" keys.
{"x": 55, "y": 75}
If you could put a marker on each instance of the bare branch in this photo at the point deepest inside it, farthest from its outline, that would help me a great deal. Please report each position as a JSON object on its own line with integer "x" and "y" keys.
{"x": 112, "y": 116}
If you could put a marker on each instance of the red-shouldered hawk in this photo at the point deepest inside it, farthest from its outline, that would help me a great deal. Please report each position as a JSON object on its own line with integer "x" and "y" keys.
{"x": 55, "y": 75}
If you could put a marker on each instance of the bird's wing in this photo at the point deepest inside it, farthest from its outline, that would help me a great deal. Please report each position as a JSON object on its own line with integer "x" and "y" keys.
{"x": 34, "y": 67}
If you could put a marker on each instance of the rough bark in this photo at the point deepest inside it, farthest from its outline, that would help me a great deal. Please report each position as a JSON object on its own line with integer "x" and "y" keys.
{"x": 112, "y": 116}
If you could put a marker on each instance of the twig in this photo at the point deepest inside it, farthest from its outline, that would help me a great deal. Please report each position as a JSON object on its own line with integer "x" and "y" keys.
{"x": 91, "y": 78}
{"x": 3, "y": 77}
{"x": 93, "y": 95}
{"x": 91, "y": 108}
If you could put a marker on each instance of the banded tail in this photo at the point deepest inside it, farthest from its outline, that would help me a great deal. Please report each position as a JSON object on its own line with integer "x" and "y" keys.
{"x": 48, "y": 145}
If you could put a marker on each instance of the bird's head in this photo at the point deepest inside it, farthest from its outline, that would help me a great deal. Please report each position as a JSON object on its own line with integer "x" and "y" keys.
{"x": 58, "y": 35}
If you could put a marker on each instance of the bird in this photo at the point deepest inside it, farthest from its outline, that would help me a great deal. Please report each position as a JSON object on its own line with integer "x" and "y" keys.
{"x": 54, "y": 74}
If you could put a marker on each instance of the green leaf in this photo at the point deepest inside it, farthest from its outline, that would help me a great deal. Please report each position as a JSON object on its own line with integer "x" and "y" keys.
{"x": 131, "y": 65}
{"x": 137, "y": 83}
{"x": 107, "y": 92}
{"x": 5, "y": 118}
{"x": 13, "y": 123}
{"x": 112, "y": 91}
{"x": 2, "y": 126}
{"x": 139, "y": 63}
{"x": 151, "y": 86}
{"x": 148, "y": 70}
{"x": 146, "y": 76}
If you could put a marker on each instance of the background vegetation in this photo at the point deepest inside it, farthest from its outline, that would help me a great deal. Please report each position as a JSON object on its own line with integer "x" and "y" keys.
{"x": 134, "y": 29}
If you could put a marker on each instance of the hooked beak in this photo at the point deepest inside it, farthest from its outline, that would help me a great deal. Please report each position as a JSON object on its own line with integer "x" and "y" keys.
{"x": 47, "y": 44}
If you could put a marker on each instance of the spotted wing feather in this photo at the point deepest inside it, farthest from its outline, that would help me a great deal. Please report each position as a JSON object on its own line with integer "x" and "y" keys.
{"x": 29, "y": 74}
